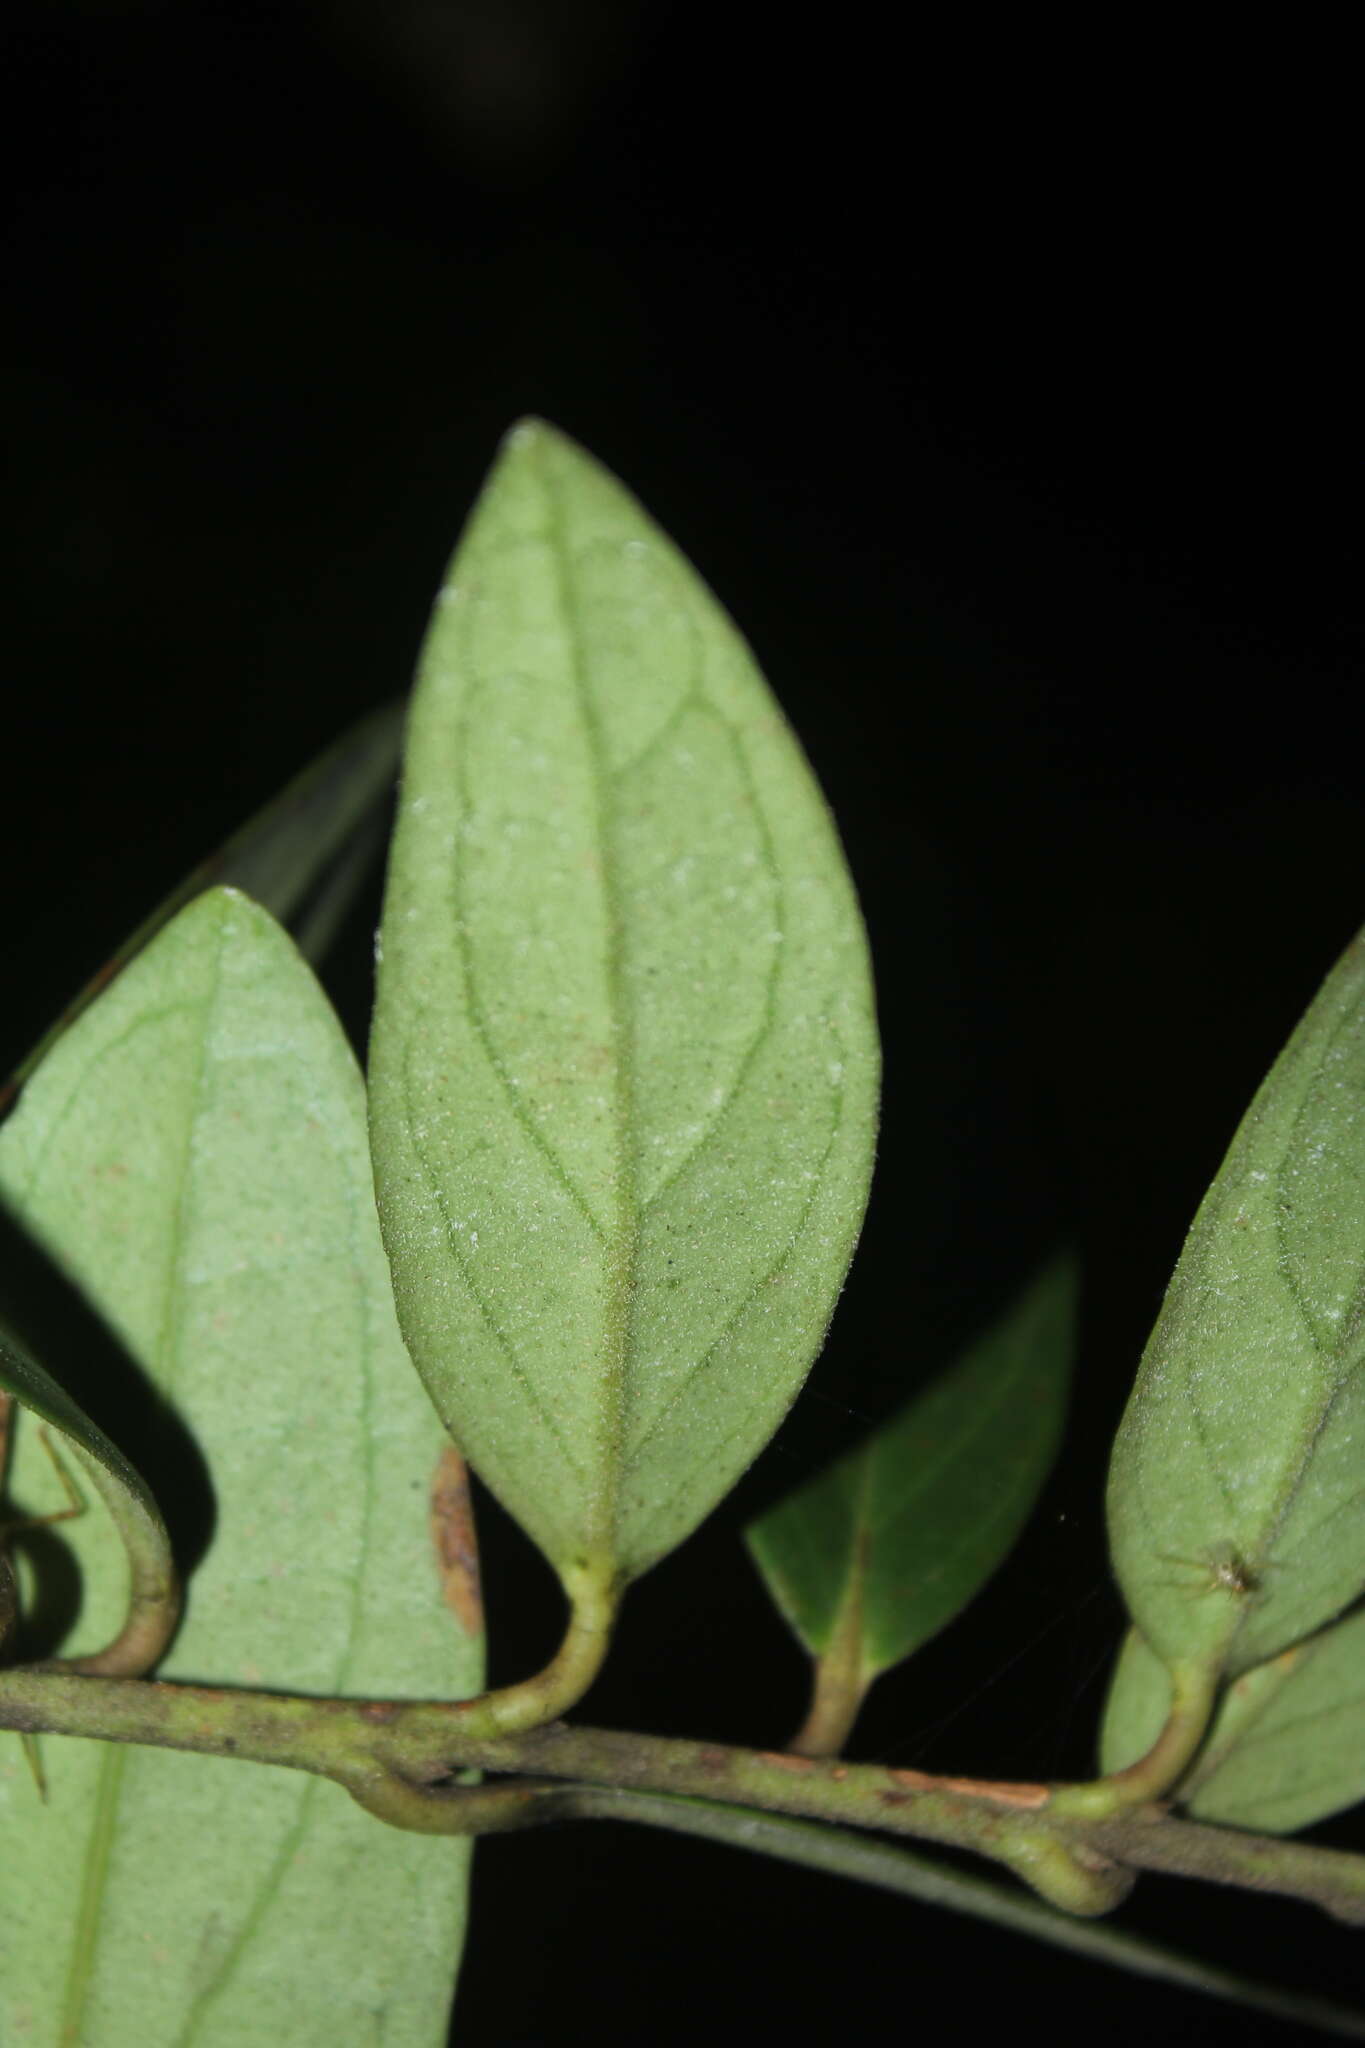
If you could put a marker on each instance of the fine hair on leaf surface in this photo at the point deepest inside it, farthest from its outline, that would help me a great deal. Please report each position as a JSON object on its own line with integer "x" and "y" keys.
{"x": 192, "y": 1152}
{"x": 624, "y": 1061}
{"x": 1234, "y": 1484}
{"x": 588, "y": 1224}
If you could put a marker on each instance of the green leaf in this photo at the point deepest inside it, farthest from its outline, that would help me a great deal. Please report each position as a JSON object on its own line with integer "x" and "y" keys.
{"x": 624, "y": 1065}
{"x": 878, "y": 1553}
{"x": 193, "y": 1154}
{"x": 151, "y": 1604}
{"x": 1233, "y": 1509}
{"x": 303, "y": 857}
{"x": 1287, "y": 1745}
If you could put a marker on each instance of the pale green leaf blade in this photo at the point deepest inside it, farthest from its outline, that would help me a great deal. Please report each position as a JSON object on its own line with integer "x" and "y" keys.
{"x": 193, "y": 1152}
{"x": 900, "y": 1535}
{"x": 1233, "y": 1508}
{"x": 1287, "y": 1744}
{"x": 151, "y": 1601}
{"x": 303, "y": 856}
{"x": 624, "y": 1065}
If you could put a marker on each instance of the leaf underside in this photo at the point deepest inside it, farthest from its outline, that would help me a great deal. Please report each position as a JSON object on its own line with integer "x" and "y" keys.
{"x": 1234, "y": 1487}
{"x": 192, "y": 1153}
{"x": 624, "y": 1064}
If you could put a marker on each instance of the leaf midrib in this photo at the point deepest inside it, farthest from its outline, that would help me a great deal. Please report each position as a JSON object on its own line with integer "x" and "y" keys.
{"x": 621, "y": 1242}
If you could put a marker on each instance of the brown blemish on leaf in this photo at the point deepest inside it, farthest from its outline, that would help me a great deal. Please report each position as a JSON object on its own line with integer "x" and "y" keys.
{"x": 457, "y": 1545}
{"x": 784, "y": 1762}
{"x": 379, "y": 1711}
{"x": 713, "y": 1759}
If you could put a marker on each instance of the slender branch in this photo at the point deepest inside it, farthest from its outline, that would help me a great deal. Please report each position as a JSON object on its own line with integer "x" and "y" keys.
{"x": 843, "y": 1852}
{"x": 870, "y": 1861}
{"x": 1153, "y": 1839}
{"x": 402, "y": 1761}
{"x": 400, "y": 1758}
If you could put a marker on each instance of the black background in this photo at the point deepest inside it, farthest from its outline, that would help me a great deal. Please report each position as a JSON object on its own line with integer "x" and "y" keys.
{"x": 1009, "y": 397}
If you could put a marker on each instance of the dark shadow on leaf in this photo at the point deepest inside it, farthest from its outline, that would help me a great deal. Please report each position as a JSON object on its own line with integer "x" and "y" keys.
{"x": 86, "y": 1358}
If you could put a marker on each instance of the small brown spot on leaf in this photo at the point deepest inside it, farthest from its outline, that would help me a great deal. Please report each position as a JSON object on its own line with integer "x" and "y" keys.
{"x": 786, "y": 1763}
{"x": 457, "y": 1545}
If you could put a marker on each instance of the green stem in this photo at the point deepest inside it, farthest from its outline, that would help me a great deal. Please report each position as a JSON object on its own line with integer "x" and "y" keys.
{"x": 401, "y": 1760}
{"x": 497, "y": 1809}
{"x": 153, "y": 1591}
{"x": 513, "y": 1709}
{"x": 1194, "y": 1690}
{"x": 1152, "y": 1839}
{"x": 840, "y": 1685}
{"x": 885, "y": 1864}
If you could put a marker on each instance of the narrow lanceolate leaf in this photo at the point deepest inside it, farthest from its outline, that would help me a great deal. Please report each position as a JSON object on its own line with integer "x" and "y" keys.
{"x": 1287, "y": 1745}
{"x": 303, "y": 856}
{"x": 193, "y": 1153}
{"x": 151, "y": 1603}
{"x": 876, "y": 1555}
{"x": 1234, "y": 1488}
{"x": 623, "y": 1070}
